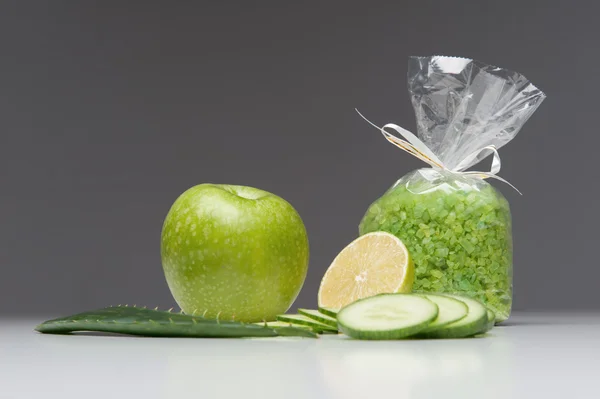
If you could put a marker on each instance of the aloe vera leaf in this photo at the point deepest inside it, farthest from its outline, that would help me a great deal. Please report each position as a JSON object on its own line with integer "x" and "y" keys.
{"x": 280, "y": 324}
{"x": 154, "y": 323}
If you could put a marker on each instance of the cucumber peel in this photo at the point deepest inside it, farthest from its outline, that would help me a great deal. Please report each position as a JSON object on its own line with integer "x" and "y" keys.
{"x": 491, "y": 320}
{"x": 473, "y": 323}
{"x": 320, "y": 317}
{"x": 302, "y": 320}
{"x": 331, "y": 312}
{"x": 450, "y": 310}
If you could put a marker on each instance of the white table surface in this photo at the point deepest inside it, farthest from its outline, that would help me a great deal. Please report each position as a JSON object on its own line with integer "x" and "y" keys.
{"x": 535, "y": 356}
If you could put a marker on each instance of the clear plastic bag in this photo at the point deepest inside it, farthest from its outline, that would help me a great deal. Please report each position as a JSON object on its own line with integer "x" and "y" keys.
{"x": 456, "y": 226}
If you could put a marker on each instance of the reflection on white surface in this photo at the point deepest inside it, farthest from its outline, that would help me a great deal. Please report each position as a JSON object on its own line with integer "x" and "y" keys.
{"x": 236, "y": 367}
{"x": 558, "y": 358}
{"x": 361, "y": 369}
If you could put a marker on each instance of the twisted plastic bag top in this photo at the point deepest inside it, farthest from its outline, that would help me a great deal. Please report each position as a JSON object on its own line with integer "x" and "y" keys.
{"x": 463, "y": 105}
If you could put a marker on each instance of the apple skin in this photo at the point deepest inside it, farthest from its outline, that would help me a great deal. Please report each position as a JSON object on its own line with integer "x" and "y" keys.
{"x": 234, "y": 252}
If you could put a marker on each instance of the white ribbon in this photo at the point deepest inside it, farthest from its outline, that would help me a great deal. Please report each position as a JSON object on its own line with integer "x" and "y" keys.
{"x": 414, "y": 146}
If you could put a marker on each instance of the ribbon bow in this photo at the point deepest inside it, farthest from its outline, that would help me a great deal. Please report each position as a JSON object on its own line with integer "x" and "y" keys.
{"x": 414, "y": 146}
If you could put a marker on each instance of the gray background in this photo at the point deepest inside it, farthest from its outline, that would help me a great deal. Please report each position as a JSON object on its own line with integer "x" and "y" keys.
{"x": 109, "y": 110}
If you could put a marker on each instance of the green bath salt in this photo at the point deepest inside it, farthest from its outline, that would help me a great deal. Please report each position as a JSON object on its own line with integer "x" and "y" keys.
{"x": 456, "y": 226}
{"x": 457, "y": 229}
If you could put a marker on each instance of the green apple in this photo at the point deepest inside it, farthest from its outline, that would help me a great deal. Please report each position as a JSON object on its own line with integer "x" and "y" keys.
{"x": 234, "y": 252}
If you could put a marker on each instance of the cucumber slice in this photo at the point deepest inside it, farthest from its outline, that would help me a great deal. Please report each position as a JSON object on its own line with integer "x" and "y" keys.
{"x": 450, "y": 310}
{"x": 301, "y": 320}
{"x": 320, "y": 317}
{"x": 331, "y": 312}
{"x": 474, "y": 322}
{"x": 387, "y": 316}
{"x": 491, "y": 321}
